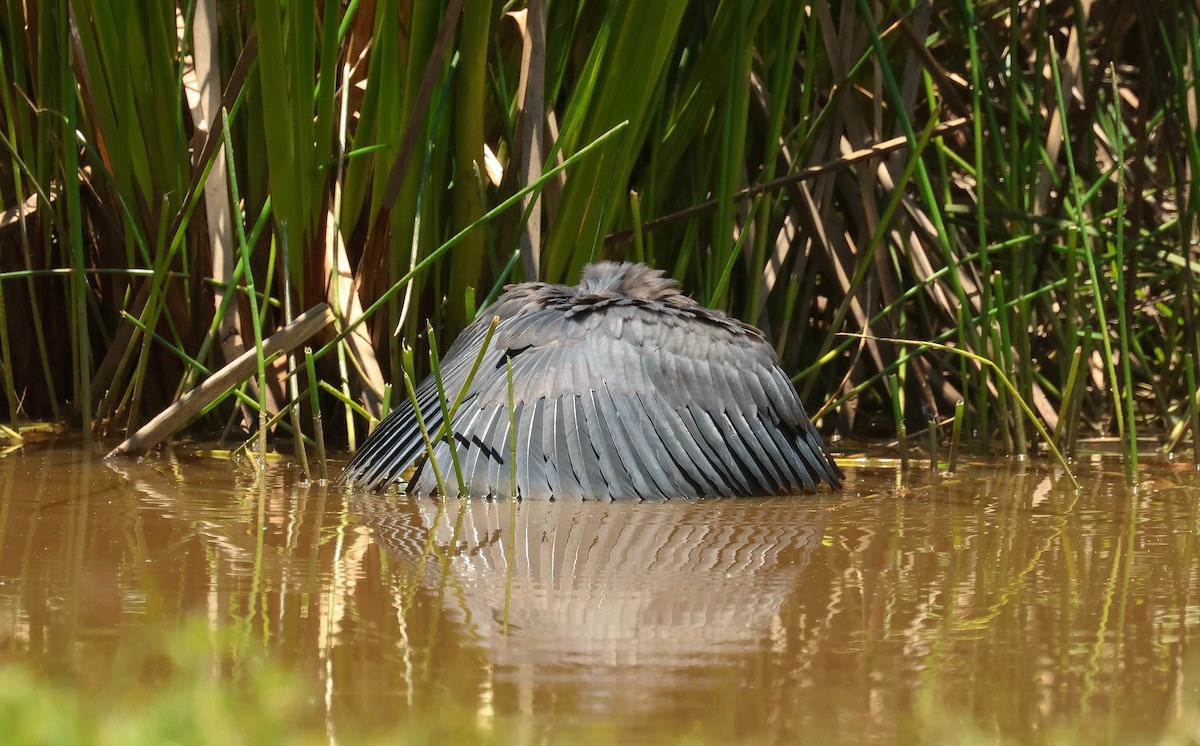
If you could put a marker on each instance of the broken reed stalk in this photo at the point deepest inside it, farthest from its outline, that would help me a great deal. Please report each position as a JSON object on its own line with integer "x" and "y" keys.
{"x": 218, "y": 385}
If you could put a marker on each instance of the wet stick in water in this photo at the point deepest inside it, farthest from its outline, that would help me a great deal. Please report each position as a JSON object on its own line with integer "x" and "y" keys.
{"x": 196, "y": 365}
{"x": 219, "y": 384}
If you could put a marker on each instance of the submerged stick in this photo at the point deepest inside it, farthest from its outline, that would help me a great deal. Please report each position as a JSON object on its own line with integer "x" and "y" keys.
{"x": 193, "y": 402}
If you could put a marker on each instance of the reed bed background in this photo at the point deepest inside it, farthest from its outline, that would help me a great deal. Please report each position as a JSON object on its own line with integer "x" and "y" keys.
{"x": 1013, "y": 179}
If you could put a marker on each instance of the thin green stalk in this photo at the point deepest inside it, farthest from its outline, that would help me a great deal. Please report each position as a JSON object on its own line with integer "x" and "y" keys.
{"x": 1193, "y": 404}
{"x": 512, "y": 432}
{"x": 81, "y": 342}
{"x": 407, "y": 373}
{"x": 898, "y": 403}
{"x": 293, "y": 384}
{"x": 466, "y": 386}
{"x": 1007, "y": 385}
{"x": 931, "y": 430}
{"x": 248, "y": 281}
{"x": 1074, "y": 380}
{"x": 6, "y": 364}
{"x": 1124, "y": 308}
{"x": 956, "y": 435}
{"x": 1077, "y": 210}
{"x": 1006, "y": 346}
{"x": 639, "y": 240}
{"x": 315, "y": 403}
{"x": 447, "y": 429}
{"x": 346, "y": 401}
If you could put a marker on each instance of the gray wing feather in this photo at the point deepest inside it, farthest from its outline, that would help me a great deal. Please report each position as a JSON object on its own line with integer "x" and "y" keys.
{"x": 568, "y": 459}
{"x": 616, "y": 482}
{"x": 499, "y": 475}
{"x": 741, "y": 414}
{"x": 537, "y": 485}
{"x": 482, "y": 451}
{"x": 614, "y": 398}
{"x": 635, "y": 452}
{"x": 709, "y": 441}
{"x": 583, "y": 454}
{"x": 694, "y": 470}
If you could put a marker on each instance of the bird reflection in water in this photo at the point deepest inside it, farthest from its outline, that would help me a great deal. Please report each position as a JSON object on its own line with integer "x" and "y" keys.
{"x": 595, "y": 586}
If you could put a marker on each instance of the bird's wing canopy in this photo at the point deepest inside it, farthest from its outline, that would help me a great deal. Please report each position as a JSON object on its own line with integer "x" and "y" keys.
{"x": 623, "y": 402}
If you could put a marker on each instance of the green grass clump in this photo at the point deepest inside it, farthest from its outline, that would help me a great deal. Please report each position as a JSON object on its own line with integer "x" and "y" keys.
{"x": 177, "y": 690}
{"x": 193, "y": 686}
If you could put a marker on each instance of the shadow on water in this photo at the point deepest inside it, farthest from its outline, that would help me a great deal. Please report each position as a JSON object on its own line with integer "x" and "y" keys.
{"x": 994, "y": 603}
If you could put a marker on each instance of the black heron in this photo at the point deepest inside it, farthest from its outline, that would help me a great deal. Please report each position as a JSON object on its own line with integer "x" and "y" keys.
{"x": 622, "y": 388}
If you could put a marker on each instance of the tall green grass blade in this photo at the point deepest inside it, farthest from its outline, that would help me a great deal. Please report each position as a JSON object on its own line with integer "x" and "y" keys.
{"x": 408, "y": 373}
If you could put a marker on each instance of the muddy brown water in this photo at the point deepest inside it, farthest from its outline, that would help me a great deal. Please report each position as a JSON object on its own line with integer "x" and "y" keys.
{"x": 993, "y": 603}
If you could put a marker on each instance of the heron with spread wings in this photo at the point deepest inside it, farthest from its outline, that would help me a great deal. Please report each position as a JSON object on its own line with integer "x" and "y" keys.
{"x": 622, "y": 388}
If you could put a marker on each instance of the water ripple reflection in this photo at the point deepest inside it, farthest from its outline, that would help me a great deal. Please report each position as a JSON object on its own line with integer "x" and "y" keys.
{"x": 605, "y": 586}
{"x": 912, "y": 607}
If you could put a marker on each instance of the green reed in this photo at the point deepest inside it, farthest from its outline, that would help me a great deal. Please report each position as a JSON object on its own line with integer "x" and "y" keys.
{"x": 315, "y": 404}
{"x": 668, "y": 130}
{"x": 410, "y": 387}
